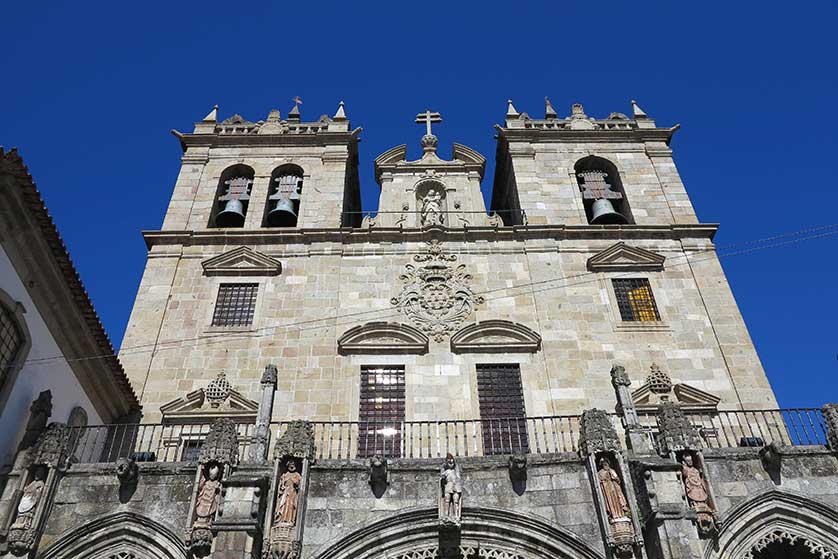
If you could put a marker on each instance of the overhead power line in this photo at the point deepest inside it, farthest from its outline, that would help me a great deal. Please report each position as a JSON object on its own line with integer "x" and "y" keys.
{"x": 753, "y": 245}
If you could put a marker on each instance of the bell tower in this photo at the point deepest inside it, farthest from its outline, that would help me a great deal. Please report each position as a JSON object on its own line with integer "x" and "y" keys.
{"x": 273, "y": 173}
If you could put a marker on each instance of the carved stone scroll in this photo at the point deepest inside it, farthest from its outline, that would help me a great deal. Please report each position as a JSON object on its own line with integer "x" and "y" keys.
{"x": 612, "y": 484}
{"x": 219, "y": 453}
{"x": 284, "y": 518}
{"x": 43, "y": 462}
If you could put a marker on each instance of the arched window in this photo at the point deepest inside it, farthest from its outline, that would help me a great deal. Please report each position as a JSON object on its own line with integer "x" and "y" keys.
{"x": 602, "y": 191}
{"x": 232, "y": 197}
{"x": 11, "y": 342}
{"x": 283, "y": 206}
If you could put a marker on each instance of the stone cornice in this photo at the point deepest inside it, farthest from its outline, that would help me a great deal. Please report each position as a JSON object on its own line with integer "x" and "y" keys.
{"x": 321, "y": 138}
{"x": 536, "y": 135}
{"x": 395, "y": 235}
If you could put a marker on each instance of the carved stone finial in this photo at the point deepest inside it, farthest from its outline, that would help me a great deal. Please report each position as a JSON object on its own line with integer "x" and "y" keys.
{"x": 619, "y": 377}
{"x": 294, "y": 114}
{"x": 577, "y": 111}
{"x": 549, "y": 111}
{"x": 658, "y": 381}
{"x": 636, "y": 111}
{"x": 218, "y": 391}
{"x": 212, "y": 116}
{"x": 270, "y": 375}
{"x": 340, "y": 115}
{"x": 127, "y": 471}
{"x": 676, "y": 431}
{"x": 53, "y": 446}
{"x": 597, "y": 434}
{"x": 221, "y": 444}
{"x": 511, "y": 111}
{"x": 297, "y": 441}
{"x": 39, "y": 413}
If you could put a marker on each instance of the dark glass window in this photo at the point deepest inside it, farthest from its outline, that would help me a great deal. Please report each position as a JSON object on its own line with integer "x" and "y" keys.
{"x": 11, "y": 341}
{"x": 235, "y": 304}
{"x": 502, "y": 414}
{"x": 191, "y": 449}
{"x": 381, "y": 414}
{"x": 635, "y": 300}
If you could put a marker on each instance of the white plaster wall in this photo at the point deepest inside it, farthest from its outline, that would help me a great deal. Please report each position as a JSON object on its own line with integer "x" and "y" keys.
{"x": 55, "y": 375}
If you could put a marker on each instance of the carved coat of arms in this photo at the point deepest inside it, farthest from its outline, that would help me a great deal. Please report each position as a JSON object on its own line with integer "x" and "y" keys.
{"x": 436, "y": 296}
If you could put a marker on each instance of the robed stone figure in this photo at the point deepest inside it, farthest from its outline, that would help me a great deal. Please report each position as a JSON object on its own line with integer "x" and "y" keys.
{"x": 612, "y": 491}
{"x": 206, "y": 502}
{"x": 289, "y": 495}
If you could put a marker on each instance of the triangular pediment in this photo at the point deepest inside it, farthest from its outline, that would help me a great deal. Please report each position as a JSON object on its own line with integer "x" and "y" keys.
{"x": 196, "y": 407}
{"x": 242, "y": 261}
{"x": 622, "y": 257}
{"x": 383, "y": 337}
{"x": 495, "y": 336}
{"x": 692, "y": 399}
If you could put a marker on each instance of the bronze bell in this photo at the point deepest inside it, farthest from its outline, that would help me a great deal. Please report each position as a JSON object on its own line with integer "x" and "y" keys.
{"x": 603, "y": 213}
{"x": 283, "y": 214}
{"x": 232, "y": 215}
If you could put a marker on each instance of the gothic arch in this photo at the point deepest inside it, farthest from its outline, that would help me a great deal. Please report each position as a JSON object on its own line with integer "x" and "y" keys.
{"x": 776, "y": 516}
{"x": 121, "y": 535}
{"x": 498, "y": 534}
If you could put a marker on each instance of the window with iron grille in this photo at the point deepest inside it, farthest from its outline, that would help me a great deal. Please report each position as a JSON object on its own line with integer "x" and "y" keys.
{"x": 502, "y": 415}
{"x": 635, "y": 300}
{"x": 191, "y": 450}
{"x": 381, "y": 414}
{"x": 11, "y": 341}
{"x": 235, "y": 304}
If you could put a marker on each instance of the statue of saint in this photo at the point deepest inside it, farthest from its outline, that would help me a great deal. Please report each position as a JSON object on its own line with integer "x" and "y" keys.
{"x": 694, "y": 484}
{"x": 612, "y": 491}
{"x": 432, "y": 208}
{"x": 452, "y": 488}
{"x": 206, "y": 502}
{"x": 28, "y": 504}
{"x": 289, "y": 494}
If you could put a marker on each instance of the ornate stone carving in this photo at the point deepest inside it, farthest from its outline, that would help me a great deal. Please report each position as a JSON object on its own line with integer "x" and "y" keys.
{"x": 658, "y": 381}
{"x": 127, "y": 471}
{"x": 830, "y": 414}
{"x": 199, "y": 538}
{"x": 518, "y": 468}
{"x": 676, "y": 431}
{"x": 39, "y": 413}
{"x": 616, "y": 508}
{"x": 288, "y": 500}
{"x": 597, "y": 433}
{"x": 269, "y": 375}
{"x": 436, "y": 297}
{"x": 619, "y": 376}
{"x": 698, "y": 495}
{"x": 52, "y": 447}
{"x": 432, "y": 209}
{"x": 221, "y": 444}
{"x": 218, "y": 391}
{"x": 450, "y": 494}
{"x": 297, "y": 441}
{"x": 23, "y": 533}
{"x": 790, "y": 538}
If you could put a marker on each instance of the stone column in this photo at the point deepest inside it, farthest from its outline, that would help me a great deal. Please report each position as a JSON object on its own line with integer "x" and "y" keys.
{"x": 259, "y": 447}
{"x": 638, "y": 438}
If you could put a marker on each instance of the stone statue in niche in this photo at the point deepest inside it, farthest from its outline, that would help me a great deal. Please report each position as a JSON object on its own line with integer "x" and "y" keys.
{"x": 616, "y": 505}
{"x": 432, "y": 208}
{"x": 698, "y": 496}
{"x": 28, "y": 505}
{"x": 451, "y": 489}
{"x": 289, "y": 494}
{"x": 206, "y": 502}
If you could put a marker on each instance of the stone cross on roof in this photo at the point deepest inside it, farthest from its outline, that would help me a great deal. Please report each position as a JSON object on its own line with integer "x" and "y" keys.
{"x": 428, "y": 117}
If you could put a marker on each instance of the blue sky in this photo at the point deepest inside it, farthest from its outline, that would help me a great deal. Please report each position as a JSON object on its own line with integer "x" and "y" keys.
{"x": 91, "y": 90}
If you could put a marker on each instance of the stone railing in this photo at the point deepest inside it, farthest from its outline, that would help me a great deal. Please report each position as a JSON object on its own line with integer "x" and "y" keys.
{"x": 345, "y": 440}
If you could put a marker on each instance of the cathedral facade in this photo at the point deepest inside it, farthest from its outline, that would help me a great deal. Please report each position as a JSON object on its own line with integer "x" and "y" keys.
{"x": 563, "y": 374}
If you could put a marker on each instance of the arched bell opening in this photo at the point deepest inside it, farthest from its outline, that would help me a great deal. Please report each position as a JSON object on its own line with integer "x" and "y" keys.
{"x": 602, "y": 192}
{"x": 286, "y": 189}
{"x": 232, "y": 197}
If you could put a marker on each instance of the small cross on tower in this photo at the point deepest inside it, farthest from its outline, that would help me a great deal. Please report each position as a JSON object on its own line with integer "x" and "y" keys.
{"x": 428, "y": 117}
